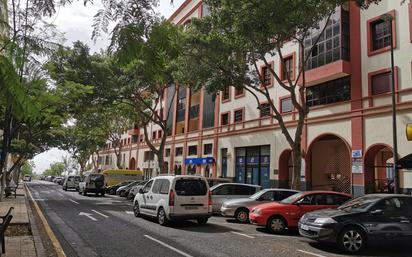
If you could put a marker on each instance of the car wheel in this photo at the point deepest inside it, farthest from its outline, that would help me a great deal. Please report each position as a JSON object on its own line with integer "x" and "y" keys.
{"x": 202, "y": 221}
{"x": 351, "y": 240}
{"x": 112, "y": 192}
{"x": 242, "y": 215}
{"x": 276, "y": 224}
{"x": 102, "y": 194}
{"x": 136, "y": 209}
{"x": 161, "y": 217}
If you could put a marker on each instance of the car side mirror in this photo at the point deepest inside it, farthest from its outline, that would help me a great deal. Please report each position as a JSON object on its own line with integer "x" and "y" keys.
{"x": 376, "y": 212}
{"x": 141, "y": 191}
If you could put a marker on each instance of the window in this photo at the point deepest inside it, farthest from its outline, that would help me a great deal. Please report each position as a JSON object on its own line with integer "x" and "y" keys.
{"x": 226, "y": 94}
{"x": 286, "y": 105}
{"x": 392, "y": 205}
{"x": 330, "y": 92}
{"x": 147, "y": 187}
{"x": 239, "y": 92}
{"x": 156, "y": 186}
{"x": 141, "y": 138}
{"x": 264, "y": 110}
{"x": 193, "y": 150}
{"x": 159, "y": 134}
{"x": 154, "y": 135}
{"x": 381, "y": 83}
{"x": 179, "y": 151}
{"x": 207, "y": 148}
{"x": 165, "y": 187}
{"x": 134, "y": 139}
{"x": 333, "y": 44}
{"x": 268, "y": 196}
{"x": 224, "y": 190}
{"x": 287, "y": 68}
{"x": 167, "y": 152}
{"x": 224, "y": 119}
{"x": 266, "y": 76}
{"x": 190, "y": 187}
{"x": 238, "y": 115}
{"x": 148, "y": 156}
{"x": 244, "y": 190}
{"x": 381, "y": 36}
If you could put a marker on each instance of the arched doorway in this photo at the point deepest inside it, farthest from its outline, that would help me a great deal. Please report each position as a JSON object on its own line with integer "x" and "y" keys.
{"x": 378, "y": 171}
{"x": 132, "y": 164}
{"x": 178, "y": 170}
{"x": 285, "y": 169}
{"x": 329, "y": 164}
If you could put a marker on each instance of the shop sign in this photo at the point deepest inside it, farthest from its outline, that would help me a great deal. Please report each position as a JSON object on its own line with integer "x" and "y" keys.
{"x": 356, "y": 153}
{"x": 265, "y": 159}
{"x": 240, "y": 160}
{"x": 357, "y": 166}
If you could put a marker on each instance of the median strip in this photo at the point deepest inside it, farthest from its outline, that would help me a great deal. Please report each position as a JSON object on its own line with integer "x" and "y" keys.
{"x": 168, "y": 246}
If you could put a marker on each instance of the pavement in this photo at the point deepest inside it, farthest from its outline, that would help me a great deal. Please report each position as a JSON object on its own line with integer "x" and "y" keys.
{"x": 105, "y": 226}
{"x": 20, "y": 241}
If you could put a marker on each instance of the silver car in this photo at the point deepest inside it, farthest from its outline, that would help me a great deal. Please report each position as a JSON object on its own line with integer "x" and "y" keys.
{"x": 239, "y": 208}
{"x": 226, "y": 191}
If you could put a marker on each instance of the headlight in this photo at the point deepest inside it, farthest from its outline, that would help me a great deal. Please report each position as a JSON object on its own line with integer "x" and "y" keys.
{"x": 324, "y": 221}
{"x": 257, "y": 211}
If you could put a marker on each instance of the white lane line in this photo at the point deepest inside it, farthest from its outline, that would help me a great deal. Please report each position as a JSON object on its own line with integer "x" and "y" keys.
{"x": 129, "y": 212}
{"x": 168, "y": 246}
{"x": 73, "y": 201}
{"x": 309, "y": 253}
{"x": 101, "y": 214}
{"x": 241, "y": 234}
{"x": 263, "y": 235}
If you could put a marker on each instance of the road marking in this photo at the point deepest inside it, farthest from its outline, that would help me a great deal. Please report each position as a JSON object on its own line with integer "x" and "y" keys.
{"x": 263, "y": 235}
{"x": 101, "y": 214}
{"x": 129, "y": 212}
{"x": 168, "y": 246}
{"x": 60, "y": 194}
{"x": 39, "y": 199}
{"x": 73, "y": 201}
{"x": 241, "y": 234}
{"x": 88, "y": 215}
{"x": 313, "y": 254}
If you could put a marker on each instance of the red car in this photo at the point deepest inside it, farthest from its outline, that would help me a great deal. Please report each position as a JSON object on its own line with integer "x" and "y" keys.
{"x": 277, "y": 216}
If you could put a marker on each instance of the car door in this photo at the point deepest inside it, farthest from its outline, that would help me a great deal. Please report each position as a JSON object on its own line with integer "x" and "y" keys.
{"x": 389, "y": 218}
{"x": 153, "y": 196}
{"x": 305, "y": 204}
{"x": 221, "y": 194}
{"x": 144, "y": 201}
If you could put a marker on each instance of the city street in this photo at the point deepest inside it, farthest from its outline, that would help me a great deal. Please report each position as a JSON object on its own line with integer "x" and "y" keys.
{"x": 106, "y": 226}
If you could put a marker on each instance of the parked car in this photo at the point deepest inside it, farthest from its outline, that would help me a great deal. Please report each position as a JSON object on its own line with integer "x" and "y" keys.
{"x": 71, "y": 182}
{"x": 93, "y": 183}
{"x": 279, "y": 216}
{"x": 169, "y": 198}
{"x": 123, "y": 190}
{"x": 239, "y": 208}
{"x": 225, "y": 191}
{"x": 58, "y": 180}
{"x": 27, "y": 178}
{"x": 135, "y": 189}
{"x": 111, "y": 190}
{"x": 365, "y": 219}
{"x": 217, "y": 181}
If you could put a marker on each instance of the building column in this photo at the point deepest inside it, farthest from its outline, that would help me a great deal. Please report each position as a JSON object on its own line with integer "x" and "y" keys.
{"x": 216, "y": 134}
{"x": 187, "y": 117}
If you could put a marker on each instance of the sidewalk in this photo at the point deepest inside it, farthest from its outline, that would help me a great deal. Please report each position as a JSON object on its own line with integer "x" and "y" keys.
{"x": 20, "y": 241}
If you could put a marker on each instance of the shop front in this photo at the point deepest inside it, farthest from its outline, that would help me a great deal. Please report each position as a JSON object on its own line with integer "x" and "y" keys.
{"x": 253, "y": 165}
{"x": 193, "y": 163}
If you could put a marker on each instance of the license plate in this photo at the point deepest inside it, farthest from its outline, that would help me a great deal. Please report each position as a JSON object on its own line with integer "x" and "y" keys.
{"x": 191, "y": 207}
{"x": 304, "y": 227}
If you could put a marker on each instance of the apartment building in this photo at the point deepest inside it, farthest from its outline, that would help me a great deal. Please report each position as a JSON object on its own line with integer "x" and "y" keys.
{"x": 347, "y": 137}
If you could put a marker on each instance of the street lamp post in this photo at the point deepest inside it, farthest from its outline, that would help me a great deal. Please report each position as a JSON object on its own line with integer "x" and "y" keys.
{"x": 389, "y": 19}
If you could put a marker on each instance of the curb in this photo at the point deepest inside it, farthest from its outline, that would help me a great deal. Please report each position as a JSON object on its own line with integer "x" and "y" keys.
{"x": 56, "y": 244}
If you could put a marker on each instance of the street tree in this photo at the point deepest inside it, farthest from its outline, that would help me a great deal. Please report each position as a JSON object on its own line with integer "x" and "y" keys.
{"x": 228, "y": 48}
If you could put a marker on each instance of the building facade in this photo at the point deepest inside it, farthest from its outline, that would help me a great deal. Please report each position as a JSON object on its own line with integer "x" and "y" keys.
{"x": 347, "y": 136}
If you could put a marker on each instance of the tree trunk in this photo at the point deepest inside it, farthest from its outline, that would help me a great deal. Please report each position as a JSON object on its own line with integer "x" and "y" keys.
{"x": 161, "y": 162}
{"x": 297, "y": 166}
{"x": 119, "y": 159}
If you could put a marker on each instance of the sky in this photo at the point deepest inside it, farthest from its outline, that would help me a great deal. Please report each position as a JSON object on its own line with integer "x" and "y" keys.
{"x": 75, "y": 22}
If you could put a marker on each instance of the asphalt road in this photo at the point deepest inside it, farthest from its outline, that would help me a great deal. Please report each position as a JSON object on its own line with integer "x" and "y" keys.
{"x": 106, "y": 226}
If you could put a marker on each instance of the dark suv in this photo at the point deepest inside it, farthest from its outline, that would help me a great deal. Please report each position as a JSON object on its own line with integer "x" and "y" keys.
{"x": 93, "y": 183}
{"x": 368, "y": 218}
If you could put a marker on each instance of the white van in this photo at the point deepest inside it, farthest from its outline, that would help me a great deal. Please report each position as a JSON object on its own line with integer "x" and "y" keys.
{"x": 171, "y": 198}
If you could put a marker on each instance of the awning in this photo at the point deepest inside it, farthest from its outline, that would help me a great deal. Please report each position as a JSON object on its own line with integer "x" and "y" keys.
{"x": 207, "y": 160}
{"x": 405, "y": 162}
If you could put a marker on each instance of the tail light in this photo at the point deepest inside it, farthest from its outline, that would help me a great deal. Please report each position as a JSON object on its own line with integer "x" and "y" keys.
{"x": 172, "y": 198}
{"x": 210, "y": 198}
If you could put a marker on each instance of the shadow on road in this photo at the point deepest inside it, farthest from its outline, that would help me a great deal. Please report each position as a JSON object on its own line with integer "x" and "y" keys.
{"x": 291, "y": 233}
{"x": 393, "y": 249}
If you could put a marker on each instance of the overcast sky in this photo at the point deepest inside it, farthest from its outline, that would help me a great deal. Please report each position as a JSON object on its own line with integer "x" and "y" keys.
{"x": 75, "y": 21}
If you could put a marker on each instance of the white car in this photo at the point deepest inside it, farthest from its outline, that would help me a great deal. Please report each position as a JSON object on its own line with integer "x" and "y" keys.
{"x": 174, "y": 198}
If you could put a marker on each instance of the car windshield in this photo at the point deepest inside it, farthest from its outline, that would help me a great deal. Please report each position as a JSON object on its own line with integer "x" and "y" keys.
{"x": 291, "y": 198}
{"x": 257, "y": 194}
{"x": 190, "y": 187}
{"x": 360, "y": 204}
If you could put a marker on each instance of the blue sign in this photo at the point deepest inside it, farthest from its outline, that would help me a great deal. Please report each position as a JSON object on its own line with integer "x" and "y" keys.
{"x": 207, "y": 160}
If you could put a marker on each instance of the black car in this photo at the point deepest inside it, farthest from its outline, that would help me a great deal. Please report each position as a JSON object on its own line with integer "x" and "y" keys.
{"x": 365, "y": 219}
{"x": 111, "y": 190}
